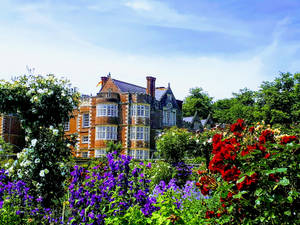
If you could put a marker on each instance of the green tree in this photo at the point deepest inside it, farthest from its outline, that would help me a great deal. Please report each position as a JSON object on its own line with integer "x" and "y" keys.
{"x": 43, "y": 105}
{"x": 279, "y": 100}
{"x": 198, "y": 100}
{"x": 241, "y": 105}
{"x": 175, "y": 144}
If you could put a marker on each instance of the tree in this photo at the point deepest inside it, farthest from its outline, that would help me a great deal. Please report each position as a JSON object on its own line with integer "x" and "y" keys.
{"x": 279, "y": 100}
{"x": 199, "y": 101}
{"x": 43, "y": 106}
{"x": 241, "y": 105}
{"x": 175, "y": 144}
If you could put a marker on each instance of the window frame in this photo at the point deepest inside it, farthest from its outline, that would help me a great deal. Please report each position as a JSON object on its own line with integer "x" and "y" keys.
{"x": 102, "y": 153}
{"x": 139, "y": 154}
{"x": 85, "y": 121}
{"x": 140, "y": 110}
{"x": 85, "y": 141}
{"x": 66, "y": 126}
{"x": 140, "y": 133}
{"x": 106, "y": 133}
{"x": 109, "y": 110}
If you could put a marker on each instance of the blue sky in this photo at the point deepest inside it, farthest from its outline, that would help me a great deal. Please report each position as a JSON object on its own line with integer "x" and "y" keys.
{"x": 221, "y": 46}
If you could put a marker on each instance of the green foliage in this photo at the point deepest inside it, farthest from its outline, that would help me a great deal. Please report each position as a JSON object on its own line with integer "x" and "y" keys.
{"x": 276, "y": 102}
{"x": 43, "y": 105}
{"x": 175, "y": 144}
{"x": 5, "y": 150}
{"x": 111, "y": 147}
{"x": 240, "y": 106}
{"x": 199, "y": 101}
{"x": 267, "y": 188}
{"x": 280, "y": 99}
{"x": 160, "y": 171}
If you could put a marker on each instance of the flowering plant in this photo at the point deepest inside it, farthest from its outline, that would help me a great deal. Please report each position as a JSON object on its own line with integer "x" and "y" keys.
{"x": 260, "y": 168}
{"x": 107, "y": 191}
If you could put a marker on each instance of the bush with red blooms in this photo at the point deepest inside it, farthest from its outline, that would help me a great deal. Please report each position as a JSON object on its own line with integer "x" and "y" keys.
{"x": 255, "y": 173}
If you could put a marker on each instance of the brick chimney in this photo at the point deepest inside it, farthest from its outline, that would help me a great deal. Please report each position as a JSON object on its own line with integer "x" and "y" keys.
{"x": 104, "y": 79}
{"x": 151, "y": 86}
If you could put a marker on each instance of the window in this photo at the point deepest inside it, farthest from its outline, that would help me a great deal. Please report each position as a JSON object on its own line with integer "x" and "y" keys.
{"x": 140, "y": 133}
{"x": 85, "y": 120}
{"x": 169, "y": 96}
{"x": 106, "y": 133}
{"x": 139, "y": 154}
{"x": 85, "y": 139}
{"x": 67, "y": 126}
{"x": 100, "y": 153}
{"x": 169, "y": 118}
{"x": 110, "y": 110}
{"x": 140, "y": 110}
{"x": 85, "y": 154}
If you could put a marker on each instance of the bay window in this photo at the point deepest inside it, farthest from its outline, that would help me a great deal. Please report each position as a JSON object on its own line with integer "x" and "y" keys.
{"x": 139, "y": 154}
{"x": 140, "y": 110}
{"x": 139, "y": 133}
{"x": 106, "y": 133}
{"x": 110, "y": 110}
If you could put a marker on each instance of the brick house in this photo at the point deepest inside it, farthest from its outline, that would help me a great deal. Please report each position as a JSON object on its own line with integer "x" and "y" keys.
{"x": 11, "y": 131}
{"x": 125, "y": 113}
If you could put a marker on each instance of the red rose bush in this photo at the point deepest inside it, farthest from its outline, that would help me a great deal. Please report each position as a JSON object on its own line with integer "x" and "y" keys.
{"x": 255, "y": 172}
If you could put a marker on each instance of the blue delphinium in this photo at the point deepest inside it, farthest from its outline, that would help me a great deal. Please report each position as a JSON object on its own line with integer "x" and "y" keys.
{"x": 109, "y": 190}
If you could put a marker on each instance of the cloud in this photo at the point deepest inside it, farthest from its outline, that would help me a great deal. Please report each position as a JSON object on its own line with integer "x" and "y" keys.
{"x": 139, "y": 5}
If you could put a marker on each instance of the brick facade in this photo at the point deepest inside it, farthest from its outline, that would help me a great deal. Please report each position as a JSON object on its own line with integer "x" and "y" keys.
{"x": 11, "y": 132}
{"x": 124, "y": 113}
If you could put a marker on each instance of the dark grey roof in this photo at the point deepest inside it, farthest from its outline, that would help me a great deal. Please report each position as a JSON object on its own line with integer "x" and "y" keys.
{"x": 159, "y": 93}
{"x": 131, "y": 88}
{"x": 188, "y": 119}
{"x": 203, "y": 122}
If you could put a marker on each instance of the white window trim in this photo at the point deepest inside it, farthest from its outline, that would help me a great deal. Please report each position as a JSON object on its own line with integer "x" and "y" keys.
{"x": 110, "y": 132}
{"x": 88, "y": 155}
{"x": 101, "y": 154}
{"x": 103, "y": 109}
{"x": 85, "y": 142}
{"x": 145, "y": 133}
{"x": 139, "y": 153}
{"x": 172, "y": 117}
{"x": 145, "y": 108}
{"x": 66, "y": 126}
{"x": 83, "y": 120}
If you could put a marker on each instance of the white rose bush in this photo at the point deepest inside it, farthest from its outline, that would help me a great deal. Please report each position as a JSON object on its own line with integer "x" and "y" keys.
{"x": 43, "y": 105}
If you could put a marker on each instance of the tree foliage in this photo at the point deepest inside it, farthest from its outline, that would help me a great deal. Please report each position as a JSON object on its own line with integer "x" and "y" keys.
{"x": 199, "y": 101}
{"x": 175, "y": 144}
{"x": 43, "y": 105}
{"x": 276, "y": 102}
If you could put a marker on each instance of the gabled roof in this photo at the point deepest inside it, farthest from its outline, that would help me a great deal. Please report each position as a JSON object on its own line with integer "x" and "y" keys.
{"x": 131, "y": 88}
{"x": 188, "y": 119}
{"x": 159, "y": 93}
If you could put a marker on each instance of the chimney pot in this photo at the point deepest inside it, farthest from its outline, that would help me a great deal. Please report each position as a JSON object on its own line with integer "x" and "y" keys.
{"x": 150, "y": 86}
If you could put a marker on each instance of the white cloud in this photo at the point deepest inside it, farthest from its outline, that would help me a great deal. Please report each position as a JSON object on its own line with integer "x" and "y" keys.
{"x": 139, "y": 5}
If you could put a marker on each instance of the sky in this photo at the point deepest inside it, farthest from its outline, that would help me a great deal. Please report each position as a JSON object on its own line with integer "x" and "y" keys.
{"x": 220, "y": 46}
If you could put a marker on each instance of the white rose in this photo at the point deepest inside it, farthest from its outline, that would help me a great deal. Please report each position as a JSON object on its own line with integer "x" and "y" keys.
{"x": 33, "y": 142}
{"x": 42, "y": 173}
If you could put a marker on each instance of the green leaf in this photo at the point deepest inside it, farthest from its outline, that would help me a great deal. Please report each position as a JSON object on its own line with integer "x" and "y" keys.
{"x": 284, "y": 181}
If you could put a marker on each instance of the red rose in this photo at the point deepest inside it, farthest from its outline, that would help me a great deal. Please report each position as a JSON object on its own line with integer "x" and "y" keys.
{"x": 209, "y": 214}
{"x": 287, "y": 139}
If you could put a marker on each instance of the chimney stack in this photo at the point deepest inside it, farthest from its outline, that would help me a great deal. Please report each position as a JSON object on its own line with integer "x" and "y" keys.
{"x": 151, "y": 86}
{"x": 104, "y": 79}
